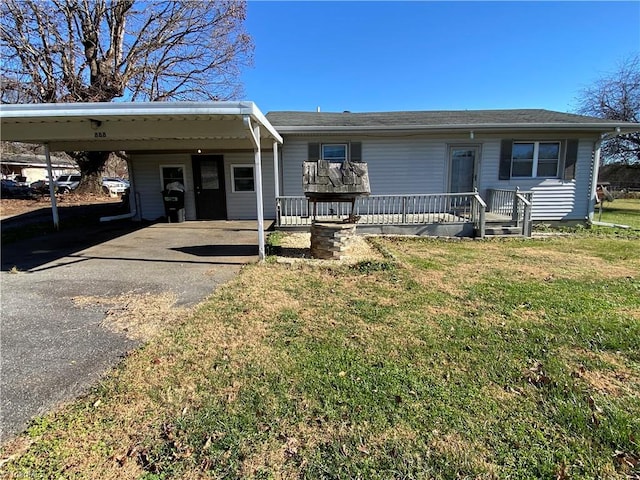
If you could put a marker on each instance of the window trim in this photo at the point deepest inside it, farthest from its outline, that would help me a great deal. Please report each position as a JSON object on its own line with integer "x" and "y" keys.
{"x": 536, "y": 160}
{"x": 233, "y": 177}
{"x": 334, "y": 144}
{"x": 173, "y": 165}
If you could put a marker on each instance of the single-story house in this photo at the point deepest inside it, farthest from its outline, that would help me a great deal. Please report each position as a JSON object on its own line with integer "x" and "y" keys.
{"x": 550, "y": 158}
{"x": 29, "y": 168}
{"x": 425, "y": 167}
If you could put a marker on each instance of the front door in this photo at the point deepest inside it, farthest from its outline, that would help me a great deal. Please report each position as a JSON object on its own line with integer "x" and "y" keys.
{"x": 463, "y": 169}
{"x": 208, "y": 181}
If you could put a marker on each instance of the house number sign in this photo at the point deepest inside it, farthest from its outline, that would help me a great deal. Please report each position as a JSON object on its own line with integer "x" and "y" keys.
{"x": 100, "y": 134}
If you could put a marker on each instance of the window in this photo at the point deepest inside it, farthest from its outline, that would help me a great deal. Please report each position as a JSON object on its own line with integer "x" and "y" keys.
{"x": 334, "y": 152}
{"x": 171, "y": 174}
{"x": 535, "y": 159}
{"x": 242, "y": 178}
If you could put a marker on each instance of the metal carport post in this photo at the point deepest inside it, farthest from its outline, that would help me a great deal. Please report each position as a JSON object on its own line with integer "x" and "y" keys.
{"x": 254, "y": 135}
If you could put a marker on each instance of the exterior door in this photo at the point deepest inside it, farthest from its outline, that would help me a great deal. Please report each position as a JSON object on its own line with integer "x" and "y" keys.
{"x": 463, "y": 169}
{"x": 208, "y": 181}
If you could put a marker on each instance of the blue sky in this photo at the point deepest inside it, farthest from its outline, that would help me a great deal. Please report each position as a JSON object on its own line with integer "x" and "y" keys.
{"x": 380, "y": 56}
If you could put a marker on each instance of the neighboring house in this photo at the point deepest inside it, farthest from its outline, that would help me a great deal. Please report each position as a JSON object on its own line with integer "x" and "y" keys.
{"x": 425, "y": 168}
{"x": 31, "y": 167}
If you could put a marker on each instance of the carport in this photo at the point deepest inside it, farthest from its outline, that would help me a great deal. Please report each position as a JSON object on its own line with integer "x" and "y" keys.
{"x": 147, "y": 128}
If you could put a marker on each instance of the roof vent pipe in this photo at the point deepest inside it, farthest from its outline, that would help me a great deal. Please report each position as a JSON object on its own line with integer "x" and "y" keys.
{"x": 318, "y": 109}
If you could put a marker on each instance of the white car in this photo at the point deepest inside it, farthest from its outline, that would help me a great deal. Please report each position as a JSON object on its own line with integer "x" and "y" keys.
{"x": 115, "y": 185}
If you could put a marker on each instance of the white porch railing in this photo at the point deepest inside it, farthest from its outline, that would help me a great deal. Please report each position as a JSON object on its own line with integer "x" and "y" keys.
{"x": 511, "y": 205}
{"x": 387, "y": 210}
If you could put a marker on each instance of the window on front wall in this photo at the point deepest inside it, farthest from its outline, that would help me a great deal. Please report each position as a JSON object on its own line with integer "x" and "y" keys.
{"x": 242, "y": 178}
{"x": 172, "y": 175}
{"x": 334, "y": 152}
{"x": 535, "y": 159}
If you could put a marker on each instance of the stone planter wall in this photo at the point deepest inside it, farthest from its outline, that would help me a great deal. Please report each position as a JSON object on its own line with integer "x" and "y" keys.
{"x": 332, "y": 241}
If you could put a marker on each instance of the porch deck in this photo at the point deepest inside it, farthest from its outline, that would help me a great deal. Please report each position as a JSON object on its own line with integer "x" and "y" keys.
{"x": 459, "y": 214}
{"x": 379, "y": 219}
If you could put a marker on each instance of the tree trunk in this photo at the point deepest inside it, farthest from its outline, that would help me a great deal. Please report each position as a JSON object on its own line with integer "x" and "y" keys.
{"x": 91, "y": 165}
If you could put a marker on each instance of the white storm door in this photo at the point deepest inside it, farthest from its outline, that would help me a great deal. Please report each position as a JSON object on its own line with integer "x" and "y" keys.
{"x": 463, "y": 168}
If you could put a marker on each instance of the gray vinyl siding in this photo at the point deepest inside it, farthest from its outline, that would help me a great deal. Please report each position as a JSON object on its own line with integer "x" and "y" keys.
{"x": 293, "y": 153}
{"x": 407, "y": 165}
{"x": 240, "y": 205}
{"x": 421, "y": 165}
{"x": 554, "y": 199}
{"x": 395, "y": 166}
{"x": 412, "y": 166}
{"x": 148, "y": 187}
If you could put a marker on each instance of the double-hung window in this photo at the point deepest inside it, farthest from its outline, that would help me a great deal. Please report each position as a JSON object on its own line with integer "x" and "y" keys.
{"x": 334, "y": 152}
{"x": 242, "y": 178}
{"x": 172, "y": 175}
{"x": 535, "y": 159}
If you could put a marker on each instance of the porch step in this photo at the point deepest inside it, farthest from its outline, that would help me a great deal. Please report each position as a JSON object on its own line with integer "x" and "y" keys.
{"x": 502, "y": 231}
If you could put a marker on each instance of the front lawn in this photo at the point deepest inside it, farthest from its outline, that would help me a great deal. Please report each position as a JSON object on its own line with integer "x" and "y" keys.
{"x": 496, "y": 359}
{"x": 621, "y": 211}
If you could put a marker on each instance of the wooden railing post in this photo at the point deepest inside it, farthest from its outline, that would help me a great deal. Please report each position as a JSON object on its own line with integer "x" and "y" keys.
{"x": 404, "y": 209}
{"x": 479, "y": 212}
{"x": 278, "y": 212}
{"x": 526, "y": 228}
{"x": 514, "y": 214}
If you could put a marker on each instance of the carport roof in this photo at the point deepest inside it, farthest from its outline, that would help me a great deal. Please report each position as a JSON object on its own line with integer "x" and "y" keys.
{"x": 137, "y": 125}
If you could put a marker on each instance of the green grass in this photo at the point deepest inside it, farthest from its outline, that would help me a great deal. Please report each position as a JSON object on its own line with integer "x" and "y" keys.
{"x": 510, "y": 359}
{"x": 620, "y": 211}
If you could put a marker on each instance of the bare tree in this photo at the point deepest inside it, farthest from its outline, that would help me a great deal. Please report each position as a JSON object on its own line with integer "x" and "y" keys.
{"x": 617, "y": 97}
{"x": 100, "y": 50}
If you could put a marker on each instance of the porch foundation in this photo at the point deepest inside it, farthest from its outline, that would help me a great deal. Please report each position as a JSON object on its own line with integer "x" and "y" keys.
{"x": 332, "y": 240}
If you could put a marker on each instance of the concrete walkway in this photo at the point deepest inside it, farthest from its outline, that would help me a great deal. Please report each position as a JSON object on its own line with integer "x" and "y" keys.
{"x": 52, "y": 350}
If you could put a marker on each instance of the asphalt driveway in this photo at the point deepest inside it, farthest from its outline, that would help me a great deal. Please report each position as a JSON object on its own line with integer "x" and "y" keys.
{"x": 52, "y": 350}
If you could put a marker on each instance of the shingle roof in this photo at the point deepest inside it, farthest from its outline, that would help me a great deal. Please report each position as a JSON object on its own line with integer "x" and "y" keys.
{"x": 435, "y": 118}
{"x": 33, "y": 159}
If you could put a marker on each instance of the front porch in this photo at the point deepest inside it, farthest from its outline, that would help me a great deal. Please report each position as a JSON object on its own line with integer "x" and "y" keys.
{"x": 440, "y": 214}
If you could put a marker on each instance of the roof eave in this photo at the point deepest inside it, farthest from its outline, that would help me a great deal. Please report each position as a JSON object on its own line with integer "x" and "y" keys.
{"x": 590, "y": 127}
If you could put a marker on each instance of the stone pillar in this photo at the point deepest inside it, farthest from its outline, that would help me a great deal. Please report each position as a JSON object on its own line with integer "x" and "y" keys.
{"x": 332, "y": 241}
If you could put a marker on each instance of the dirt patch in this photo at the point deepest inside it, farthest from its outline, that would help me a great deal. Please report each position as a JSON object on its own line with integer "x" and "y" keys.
{"x": 615, "y": 380}
{"x": 17, "y": 206}
{"x": 15, "y": 449}
{"x": 548, "y": 264}
{"x": 502, "y": 395}
{"x": 296, "y": 247}
{"x": 524, "y": 263}
{"x": 140, "y": 317}
{"x": 465, "y": 452}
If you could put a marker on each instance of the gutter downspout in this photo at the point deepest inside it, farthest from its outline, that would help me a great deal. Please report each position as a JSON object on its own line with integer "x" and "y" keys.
{"x": 594, "y": 178}
{"x": 52, "y": 188}
{"x": 254, "y": 136}
{"x": 276, "y": 170}
{"x": 124, "y": 216}
{"x": 276, "y": 181}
